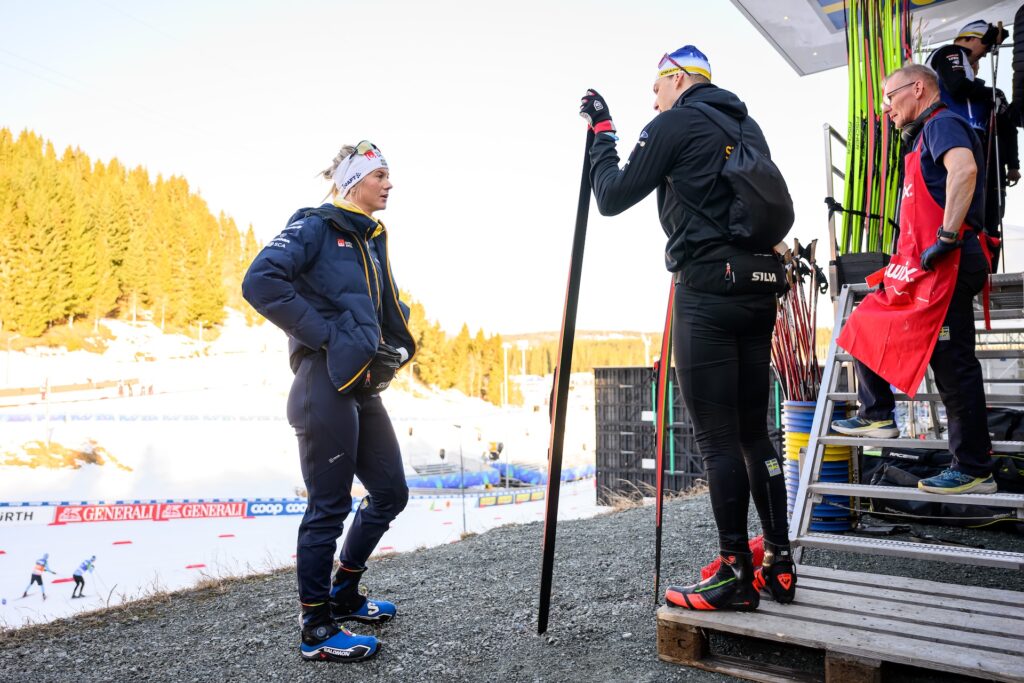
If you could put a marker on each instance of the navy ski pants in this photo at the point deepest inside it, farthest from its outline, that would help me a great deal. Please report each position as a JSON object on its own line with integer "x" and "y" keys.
{"x": 957, "y": 377}
{"x": 722, "y": 347}
{"x": 341, "y": 435}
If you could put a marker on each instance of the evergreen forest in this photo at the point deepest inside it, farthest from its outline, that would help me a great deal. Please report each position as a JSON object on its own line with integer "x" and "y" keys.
{"x": 85, "y": 239}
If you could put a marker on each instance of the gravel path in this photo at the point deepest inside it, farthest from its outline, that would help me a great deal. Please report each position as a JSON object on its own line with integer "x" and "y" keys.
{"x": 466, "y": 613}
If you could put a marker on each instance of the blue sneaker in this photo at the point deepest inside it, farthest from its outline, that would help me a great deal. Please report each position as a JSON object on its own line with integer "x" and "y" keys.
{"x": 349, "y": 604}
{"x": 859, "y": 426}
{"x": 951, "y": 481}
{"x": 325, "y": 641}
{"x": 371, "y": 612}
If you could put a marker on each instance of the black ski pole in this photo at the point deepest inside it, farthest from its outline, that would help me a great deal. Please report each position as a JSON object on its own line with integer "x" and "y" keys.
{"x": 663, "y": 432}
{"x": 561, "y": 393}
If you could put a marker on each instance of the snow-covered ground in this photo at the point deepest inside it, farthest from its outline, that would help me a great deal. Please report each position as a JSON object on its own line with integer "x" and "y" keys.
{"x": 214, "y": 427}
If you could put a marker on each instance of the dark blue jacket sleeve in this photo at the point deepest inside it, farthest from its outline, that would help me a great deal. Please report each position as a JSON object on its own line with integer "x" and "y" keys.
{"x": 651, "y": 160}
{"x": 269, "y": 283}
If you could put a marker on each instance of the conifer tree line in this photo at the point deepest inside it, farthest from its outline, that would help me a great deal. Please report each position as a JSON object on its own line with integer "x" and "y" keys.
{"x": 475, "y": 364}
{"x": 84, "y": 239}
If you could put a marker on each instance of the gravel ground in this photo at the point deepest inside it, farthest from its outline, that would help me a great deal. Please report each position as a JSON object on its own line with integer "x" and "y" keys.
{"x": 467, "y": 612}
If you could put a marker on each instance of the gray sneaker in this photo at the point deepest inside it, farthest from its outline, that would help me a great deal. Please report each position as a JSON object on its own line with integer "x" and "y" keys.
{"x": 859, "y": 426}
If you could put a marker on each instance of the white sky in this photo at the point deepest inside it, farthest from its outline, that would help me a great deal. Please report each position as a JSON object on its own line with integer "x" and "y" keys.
{"x": 474, "y": 104}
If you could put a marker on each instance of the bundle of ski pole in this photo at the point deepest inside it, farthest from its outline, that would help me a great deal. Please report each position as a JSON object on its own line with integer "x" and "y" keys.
{"x": 877, "y": 42}
{"x": 793, "y": 352}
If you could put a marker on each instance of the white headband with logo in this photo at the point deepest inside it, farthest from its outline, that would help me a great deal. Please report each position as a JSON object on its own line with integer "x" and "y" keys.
{"x": 361, "y": 163}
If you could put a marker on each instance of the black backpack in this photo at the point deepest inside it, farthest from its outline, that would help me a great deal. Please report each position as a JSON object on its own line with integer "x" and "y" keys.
{"x": 761, "y": 212}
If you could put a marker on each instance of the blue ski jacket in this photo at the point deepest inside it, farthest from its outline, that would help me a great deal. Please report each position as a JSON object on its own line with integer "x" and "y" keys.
{"x": 326, "y": 281}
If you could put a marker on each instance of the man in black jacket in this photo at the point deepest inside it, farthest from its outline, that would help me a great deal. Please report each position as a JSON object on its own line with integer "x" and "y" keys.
{"x": 722, "y": 334}
{"x": 965, "y": 93}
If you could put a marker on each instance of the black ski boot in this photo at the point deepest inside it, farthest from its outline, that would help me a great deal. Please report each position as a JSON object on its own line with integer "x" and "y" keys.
{"x": 325, "y": 641}
{"x": 349, "y": 604}
{"x": 731, "y": 588}
{"x": 777, "y": 573}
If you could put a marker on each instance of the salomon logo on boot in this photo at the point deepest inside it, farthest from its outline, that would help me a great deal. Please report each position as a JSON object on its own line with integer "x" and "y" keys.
{"x": 324, "y": 641}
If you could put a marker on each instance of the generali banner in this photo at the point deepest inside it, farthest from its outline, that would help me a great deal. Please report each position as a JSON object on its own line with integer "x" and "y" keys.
{"x": 152, "y": 512}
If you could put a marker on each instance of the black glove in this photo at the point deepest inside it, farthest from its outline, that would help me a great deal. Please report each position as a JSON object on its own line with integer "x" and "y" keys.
{"x": 595, "y": 111}
{"x": 995, "y": 35}
{"x": 1001, "y": 103}
{"x": 382, "y": 369}
{"x": 937, "y": 251}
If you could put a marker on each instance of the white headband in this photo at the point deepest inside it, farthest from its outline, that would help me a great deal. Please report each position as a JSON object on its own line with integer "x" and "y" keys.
{"x": 361, "y": 163}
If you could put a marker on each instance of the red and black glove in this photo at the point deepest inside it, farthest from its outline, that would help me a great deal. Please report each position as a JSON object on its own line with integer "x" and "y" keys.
{"x": 595, "y": 111}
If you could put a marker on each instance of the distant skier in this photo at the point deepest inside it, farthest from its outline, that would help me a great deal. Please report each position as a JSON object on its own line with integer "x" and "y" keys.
{"x": 86, "y": 566}
{"x": 326, "y": 281}
{"x": 42, "y": 565}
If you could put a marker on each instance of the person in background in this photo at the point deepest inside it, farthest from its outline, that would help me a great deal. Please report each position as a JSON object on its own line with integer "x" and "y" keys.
{"x": 78, "y": 575}
{"x": 964, "y": 92}
{"x": 42, "y": 566}
{"x": 326, "y": 281}
{"x": 723, "y": 322}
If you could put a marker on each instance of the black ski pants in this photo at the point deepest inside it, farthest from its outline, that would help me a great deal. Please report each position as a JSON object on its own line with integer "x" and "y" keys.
{"x": 341, "y": 436}
{"x": 722, "y": 347}
{"x": 957, "y": 377}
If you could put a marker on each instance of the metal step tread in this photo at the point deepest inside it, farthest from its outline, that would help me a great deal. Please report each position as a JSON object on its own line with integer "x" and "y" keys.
{"x": 1009, "y": 500}
{"x": 836, "y": 440}
{"x": 989, "y": 398}
{"x": 981, "y": 354}
{"x": 925, "y": 551}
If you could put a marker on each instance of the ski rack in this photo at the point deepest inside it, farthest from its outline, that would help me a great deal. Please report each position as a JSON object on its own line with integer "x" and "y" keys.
{"x": 1007, "y": 303}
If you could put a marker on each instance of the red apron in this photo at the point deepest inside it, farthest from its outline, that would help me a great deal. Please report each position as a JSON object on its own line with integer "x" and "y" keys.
{"x": 894, "y": 331}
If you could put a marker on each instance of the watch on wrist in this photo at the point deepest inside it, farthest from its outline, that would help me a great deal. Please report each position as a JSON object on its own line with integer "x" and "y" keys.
{"x": 948, "y": 235}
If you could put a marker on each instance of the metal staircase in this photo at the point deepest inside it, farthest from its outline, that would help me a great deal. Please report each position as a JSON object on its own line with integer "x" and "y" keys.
{"x": 1007, "y": 303}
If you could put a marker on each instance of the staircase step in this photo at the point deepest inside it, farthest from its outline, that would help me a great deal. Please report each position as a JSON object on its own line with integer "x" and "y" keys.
{"x": 1008, "y": 500}
{"x": 990, "y": 399}
{"x": 979, "y": 353}
{"x": 837, "y": 440}
{"x": 982, "y": 557}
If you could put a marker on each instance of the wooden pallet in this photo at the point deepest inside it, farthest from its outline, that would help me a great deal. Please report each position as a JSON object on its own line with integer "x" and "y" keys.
{"x": 861, "y": 621}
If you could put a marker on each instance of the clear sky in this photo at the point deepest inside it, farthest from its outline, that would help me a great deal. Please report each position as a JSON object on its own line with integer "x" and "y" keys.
{"x": 474, "y": 104}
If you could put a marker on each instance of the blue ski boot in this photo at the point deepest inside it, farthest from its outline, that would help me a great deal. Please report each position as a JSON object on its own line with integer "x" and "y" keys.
{"x": 325, "y": 641}
{"x": 348, "y": 604}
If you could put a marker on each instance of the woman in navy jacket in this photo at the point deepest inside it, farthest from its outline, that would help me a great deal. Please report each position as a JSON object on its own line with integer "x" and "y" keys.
{"x": 326, "y": 281}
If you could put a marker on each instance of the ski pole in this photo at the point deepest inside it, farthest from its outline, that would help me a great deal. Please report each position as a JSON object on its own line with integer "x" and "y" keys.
{"x": 663, "y": 432}
{"x": 561, "y": 394}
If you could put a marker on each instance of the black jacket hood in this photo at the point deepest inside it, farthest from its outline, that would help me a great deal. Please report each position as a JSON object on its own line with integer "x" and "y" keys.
{"x": 722, "y": 100}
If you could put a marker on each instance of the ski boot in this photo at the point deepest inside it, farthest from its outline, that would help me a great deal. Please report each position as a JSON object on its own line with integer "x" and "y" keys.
{"x": 325, "y": 641}
{"x": 777, "y": 573}
{"x": 349, "y": 604}
{"x": 730, "y": 588}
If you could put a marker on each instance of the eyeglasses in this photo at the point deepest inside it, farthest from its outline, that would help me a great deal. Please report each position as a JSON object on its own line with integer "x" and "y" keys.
{"x": 666, "y": 58}
{"x": 366, "y": 149}
{"x": 887, "y": 97}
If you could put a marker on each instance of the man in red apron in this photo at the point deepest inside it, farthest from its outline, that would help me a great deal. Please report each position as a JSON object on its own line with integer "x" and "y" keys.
{"x": 924, "y": 313}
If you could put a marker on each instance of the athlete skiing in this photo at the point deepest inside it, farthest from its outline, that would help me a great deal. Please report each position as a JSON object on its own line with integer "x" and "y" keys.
{"x": 326, "y": 281}
{"x": 78, "y": 576}
{"x": 725, "y": 306}
{"x": 42, "y": 565}
{"x": 925, "y": 313}
{"x": 965, "y": 93}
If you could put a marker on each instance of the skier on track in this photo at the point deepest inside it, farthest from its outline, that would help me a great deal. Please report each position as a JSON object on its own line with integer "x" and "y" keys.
{"x": 723, "y": 323}
{"x": 86, "y": 566}
{"x": 326, "y": 281}
{"x": 42, "y": 565}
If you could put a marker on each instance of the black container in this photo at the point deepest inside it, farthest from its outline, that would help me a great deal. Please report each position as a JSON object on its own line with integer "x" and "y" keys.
{"x": 851, "y": 269}
{"x": 626, "y": 444}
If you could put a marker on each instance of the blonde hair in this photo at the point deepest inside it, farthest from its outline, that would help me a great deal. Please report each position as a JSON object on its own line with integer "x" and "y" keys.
{"x": 328, "y": 173}
{"x": 345, "y": 152}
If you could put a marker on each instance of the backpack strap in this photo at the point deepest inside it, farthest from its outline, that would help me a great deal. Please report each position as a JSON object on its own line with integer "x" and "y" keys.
{"x": 715, "y": 117}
